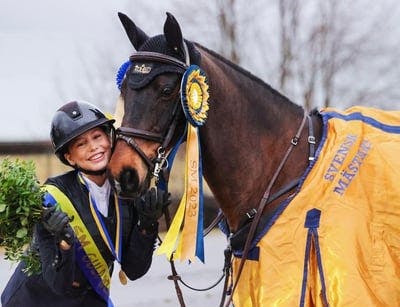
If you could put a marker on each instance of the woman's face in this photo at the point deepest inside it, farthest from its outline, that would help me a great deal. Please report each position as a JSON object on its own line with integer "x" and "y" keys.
{"x": 90, "y": 150}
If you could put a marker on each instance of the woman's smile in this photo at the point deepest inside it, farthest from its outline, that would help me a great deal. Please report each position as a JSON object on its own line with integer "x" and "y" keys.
{"x": 97, "y": 157}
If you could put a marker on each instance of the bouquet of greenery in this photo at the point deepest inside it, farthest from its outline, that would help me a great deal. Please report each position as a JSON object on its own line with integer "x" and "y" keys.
{"x": 20, "y": 208}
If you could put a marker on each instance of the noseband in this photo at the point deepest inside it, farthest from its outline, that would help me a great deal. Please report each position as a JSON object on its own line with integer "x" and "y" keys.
{"x": 129, "y": 134}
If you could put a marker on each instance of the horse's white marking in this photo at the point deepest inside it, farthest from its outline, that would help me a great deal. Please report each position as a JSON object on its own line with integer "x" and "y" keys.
{"x": 119, "y": 112}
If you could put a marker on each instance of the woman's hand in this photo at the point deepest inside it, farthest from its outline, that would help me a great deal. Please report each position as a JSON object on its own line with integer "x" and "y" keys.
{"x": 57, "y": 223}
{"x": 150, "y": 208}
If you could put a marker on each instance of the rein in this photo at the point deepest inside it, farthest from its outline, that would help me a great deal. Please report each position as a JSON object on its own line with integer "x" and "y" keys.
{"x": 263, "y": 203}
{"x": 175, "y": 276}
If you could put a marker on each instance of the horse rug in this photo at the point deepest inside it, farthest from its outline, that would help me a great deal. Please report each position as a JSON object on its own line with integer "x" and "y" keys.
{"x": 336, "y": 241}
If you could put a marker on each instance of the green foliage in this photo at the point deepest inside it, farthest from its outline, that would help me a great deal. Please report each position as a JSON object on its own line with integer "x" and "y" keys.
{"x": 20, "y": 209}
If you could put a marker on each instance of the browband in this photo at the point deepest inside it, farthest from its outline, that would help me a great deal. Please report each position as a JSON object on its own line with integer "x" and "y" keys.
{"x": 159, "y": 57}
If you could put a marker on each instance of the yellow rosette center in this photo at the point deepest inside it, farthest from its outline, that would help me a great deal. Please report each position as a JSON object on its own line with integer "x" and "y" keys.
{"x": 195, "y": 96}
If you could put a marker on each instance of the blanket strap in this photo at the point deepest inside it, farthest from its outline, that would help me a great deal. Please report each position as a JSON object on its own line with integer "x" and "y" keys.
{"x": 312, "y": 223}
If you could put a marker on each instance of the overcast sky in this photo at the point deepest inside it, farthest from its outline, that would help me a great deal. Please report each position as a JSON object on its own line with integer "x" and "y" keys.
{"x": 40, "y": 51}
{"x": 47, "y": 48}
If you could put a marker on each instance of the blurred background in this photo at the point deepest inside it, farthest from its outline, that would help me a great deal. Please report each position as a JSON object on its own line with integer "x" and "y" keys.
{"x": 319, "y": 53}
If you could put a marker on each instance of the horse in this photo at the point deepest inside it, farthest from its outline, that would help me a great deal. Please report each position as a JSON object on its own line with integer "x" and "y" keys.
{"x": 310, "y": 199}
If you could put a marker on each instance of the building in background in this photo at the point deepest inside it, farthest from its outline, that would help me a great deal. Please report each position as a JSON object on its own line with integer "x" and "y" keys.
{"x": 40, "y": 152}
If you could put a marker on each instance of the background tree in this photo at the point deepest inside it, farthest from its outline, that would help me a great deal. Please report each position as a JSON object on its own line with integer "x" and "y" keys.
{"x": 96, "y": 82}
{"x": 226, "y": 16}
{"x": 319, "y": 53}
{"x": 325, "y": 42}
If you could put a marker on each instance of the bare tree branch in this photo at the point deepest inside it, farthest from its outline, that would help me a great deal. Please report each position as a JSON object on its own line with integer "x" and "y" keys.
{"x": 317, "y": 52}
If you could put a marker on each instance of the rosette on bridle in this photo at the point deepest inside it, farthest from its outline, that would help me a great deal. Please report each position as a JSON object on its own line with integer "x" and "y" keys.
{"x": 194, "y": 99}
{"x": 194, "y": 95}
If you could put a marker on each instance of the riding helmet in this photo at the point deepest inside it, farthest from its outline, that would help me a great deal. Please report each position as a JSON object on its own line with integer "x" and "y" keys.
{"x": 73, "y": 119}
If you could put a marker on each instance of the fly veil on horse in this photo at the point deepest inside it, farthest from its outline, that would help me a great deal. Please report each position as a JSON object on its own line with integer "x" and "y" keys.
{"x": 314, "y": 227}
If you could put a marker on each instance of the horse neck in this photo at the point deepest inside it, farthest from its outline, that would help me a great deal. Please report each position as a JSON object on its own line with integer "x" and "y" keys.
{"x": 248, "y": 130}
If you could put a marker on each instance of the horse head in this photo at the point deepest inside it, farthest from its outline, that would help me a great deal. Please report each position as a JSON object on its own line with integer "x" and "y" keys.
{"x": 248, "y": 130}
{"x": 153, "y": 119}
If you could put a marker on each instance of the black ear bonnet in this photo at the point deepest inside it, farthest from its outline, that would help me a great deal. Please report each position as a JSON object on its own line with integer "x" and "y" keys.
{"x": 142, "y": 72}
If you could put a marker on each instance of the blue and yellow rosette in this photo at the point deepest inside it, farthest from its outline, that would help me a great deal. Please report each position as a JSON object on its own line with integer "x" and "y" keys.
{"x": 186, "y": 242}
{"x": 194, "y": 95}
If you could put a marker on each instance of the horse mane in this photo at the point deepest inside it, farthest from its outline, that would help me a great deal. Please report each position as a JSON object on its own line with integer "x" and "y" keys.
{"x": 242, "y": 71}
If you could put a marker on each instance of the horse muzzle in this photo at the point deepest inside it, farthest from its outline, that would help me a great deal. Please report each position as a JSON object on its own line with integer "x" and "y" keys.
{"x": 127, "y": 171}
{"x": 128, "y": 185}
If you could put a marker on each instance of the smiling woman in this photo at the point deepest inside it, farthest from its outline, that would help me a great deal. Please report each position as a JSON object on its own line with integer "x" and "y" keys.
{"x": 84, "y": 227}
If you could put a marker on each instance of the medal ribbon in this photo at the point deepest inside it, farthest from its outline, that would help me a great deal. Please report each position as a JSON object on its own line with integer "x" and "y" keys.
{"x": 115, "y": 251}
{"x": 87, "y": 253}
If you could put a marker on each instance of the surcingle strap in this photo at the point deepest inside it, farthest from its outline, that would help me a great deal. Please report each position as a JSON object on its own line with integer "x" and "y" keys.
{"x": 312, "y": 244}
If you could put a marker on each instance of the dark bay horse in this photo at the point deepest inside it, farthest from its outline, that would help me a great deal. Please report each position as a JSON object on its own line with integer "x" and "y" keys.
{"x": 296, "y": 189}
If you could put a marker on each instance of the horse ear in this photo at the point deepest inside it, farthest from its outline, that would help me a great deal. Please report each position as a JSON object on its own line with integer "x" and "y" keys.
{"x": 173, "y": 35}
{"x": 135, "y": 34}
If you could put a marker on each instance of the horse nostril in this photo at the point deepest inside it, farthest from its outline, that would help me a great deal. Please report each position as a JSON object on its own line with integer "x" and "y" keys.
{"x": 129, "y": 181}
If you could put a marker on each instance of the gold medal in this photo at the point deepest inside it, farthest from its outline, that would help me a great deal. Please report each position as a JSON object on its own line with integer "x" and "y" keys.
{"x": 122, "y": 277}
{"x": 64, "y": 245}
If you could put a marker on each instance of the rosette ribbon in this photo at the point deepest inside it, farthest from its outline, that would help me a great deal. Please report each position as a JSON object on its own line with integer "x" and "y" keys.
{"x": 184, "y": 239}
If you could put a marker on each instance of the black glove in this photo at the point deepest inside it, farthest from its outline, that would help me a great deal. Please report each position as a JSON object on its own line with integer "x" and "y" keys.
{"x": 57, "y": 223}
{"x": 150, "y": 208}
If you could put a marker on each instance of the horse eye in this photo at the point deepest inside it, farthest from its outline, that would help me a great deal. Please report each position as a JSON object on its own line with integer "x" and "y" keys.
{"x": 166, "y": 91}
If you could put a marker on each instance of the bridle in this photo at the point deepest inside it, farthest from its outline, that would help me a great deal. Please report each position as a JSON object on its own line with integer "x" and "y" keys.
{"x": 160, "y": 162}
{"x": 129, "y": 134}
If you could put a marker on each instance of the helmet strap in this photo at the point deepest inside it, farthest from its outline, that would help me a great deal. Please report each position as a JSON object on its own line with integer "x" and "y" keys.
{"x": 89, "y": 172}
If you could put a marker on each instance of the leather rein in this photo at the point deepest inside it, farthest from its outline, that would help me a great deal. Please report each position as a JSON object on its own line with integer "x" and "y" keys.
{"x": 265, "y": 200}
